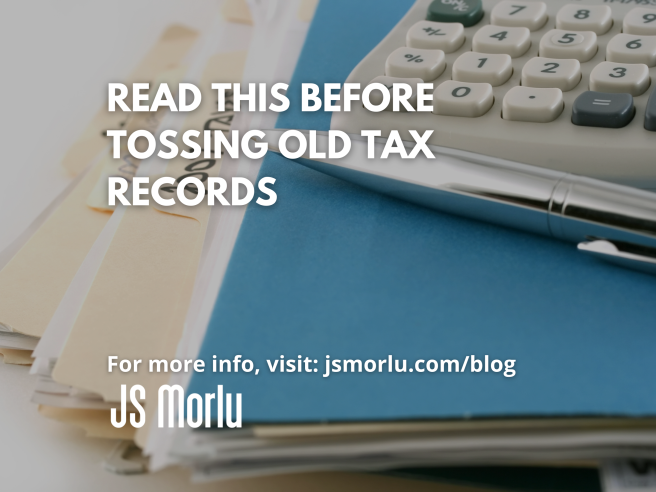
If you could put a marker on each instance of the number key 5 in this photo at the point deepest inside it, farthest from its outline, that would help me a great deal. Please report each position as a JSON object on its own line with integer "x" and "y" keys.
{"x": 631, "y": 48}
{"x": 549, "y": 72}
{"x": 581, "y": 46}
{"x": 595, "y": 18}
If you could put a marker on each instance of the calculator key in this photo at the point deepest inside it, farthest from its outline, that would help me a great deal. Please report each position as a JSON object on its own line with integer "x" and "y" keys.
{"x": 376, "y": 97}
{"x": 436, "y": 36}
{"x": 558, "y": 73}
{"x": 650, "y": 113}
{"x": 631, "y": 48}
{"x": 513, "y": 41}
{"x": 640, "y": 21}
{"x": 534, "y": 105}
{"x": 532, "y": 15}
{"x": 453, "y": 98}
{"x": 418, "y": 63}
{"x": 467, "y": 12}
{"x": 557, "y": 43}
{"x": 480, "y": 67}
{"x": 620, "y": 77}
{"x": 603, "y": 109}
{"x": 576, "y": 17}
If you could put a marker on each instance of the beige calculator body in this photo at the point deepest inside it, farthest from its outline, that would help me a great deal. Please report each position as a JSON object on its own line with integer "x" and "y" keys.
{"x": 523, "y": 94}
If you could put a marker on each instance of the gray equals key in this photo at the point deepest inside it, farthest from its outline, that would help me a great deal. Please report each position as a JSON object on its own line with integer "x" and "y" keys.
{"x": 603, "y": 109}
{"x": 650, "y": 114}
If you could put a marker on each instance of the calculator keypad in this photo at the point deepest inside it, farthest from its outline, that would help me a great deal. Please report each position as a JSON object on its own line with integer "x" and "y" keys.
{"x": 454, "y": 98}
{"x": 429, "y": 35}
{"x": 578, "y": 17}
{"x": 573, "y": 64}
{"x": 418, "y": 63}
{"x": 641, "y": 21}
{"x": 493, "y": 69}
{"x": 558, "y": 73}
{"x": 532, "y": 105}
{"x": 558, "y": 43}
{"x": 513, "y": 41}
{"x": 557, "y": 68}
{"x": 532, "y": 15}
{"x": 620, "y": 78}
{"x": 631, "y": 48}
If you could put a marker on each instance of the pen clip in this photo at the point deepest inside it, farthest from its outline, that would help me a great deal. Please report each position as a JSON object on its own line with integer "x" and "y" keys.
{"x": 623, "y": 254}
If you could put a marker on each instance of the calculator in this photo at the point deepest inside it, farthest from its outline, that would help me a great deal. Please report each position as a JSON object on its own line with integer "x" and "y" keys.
{"x": 559, "y": 84}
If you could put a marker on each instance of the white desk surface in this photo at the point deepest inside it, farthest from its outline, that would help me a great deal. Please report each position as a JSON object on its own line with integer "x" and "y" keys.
{"x": 57, "y": 58}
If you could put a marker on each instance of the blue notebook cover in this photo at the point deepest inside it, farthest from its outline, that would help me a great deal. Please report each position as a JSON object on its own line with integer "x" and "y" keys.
{"x": 333, "y": 269}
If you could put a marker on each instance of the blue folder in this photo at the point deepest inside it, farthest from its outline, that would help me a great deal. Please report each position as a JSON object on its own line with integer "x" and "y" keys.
{"x": 333, "y": 269}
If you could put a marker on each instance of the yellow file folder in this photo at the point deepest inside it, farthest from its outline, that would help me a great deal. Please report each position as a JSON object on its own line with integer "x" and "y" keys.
{"x": 136, "y": 306}
{"x": 33, "y": 283}
{"x": 166, "y": 54}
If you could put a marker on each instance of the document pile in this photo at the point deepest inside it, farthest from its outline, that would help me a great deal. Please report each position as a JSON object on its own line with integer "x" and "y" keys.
{"x": 62, "y": 279}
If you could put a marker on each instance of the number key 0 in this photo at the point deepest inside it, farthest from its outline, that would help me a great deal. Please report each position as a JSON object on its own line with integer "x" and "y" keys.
{"x": 471, "y": 100}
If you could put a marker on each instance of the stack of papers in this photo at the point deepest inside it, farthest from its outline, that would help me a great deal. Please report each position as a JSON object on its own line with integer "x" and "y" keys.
{"x": 32, "y": 283}
{"x": 162, "y": 247}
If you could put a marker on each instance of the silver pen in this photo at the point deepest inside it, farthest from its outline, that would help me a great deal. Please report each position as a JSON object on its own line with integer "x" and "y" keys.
{"x": 613, "y": 222}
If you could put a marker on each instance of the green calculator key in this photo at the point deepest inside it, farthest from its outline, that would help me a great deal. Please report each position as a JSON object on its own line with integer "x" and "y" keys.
{"x": 467, "y": 12}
